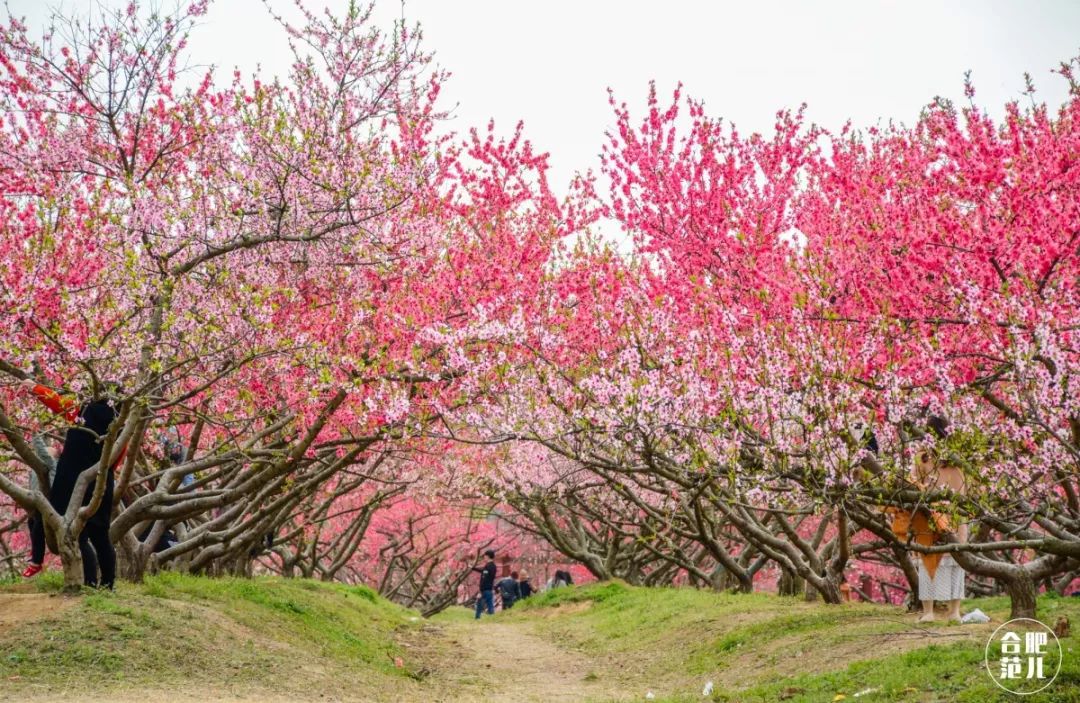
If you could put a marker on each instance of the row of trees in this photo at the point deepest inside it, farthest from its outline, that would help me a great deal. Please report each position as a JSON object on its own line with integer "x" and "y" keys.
{"x": 360, "y": 329}
{"x": 288, "y": 276}
{"x": 805, "y": 314}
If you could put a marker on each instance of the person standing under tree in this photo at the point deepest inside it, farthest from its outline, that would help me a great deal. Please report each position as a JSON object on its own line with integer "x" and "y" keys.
{"x": 487, "y": 585}
{"x": 940, "y": 577}
{"x": 83, "y": 445}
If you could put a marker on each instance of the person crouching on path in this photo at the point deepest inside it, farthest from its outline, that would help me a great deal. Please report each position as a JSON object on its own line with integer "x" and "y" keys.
{"x": 83, "y": 444}
{"x": 487, "y": 585}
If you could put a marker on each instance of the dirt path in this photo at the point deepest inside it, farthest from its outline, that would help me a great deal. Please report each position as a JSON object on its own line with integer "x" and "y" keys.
{"x": 489, "y": 662}
{"x": 505, "y": 660}
{"x": 495, "y": 660}
{"x": 18, "y": 608}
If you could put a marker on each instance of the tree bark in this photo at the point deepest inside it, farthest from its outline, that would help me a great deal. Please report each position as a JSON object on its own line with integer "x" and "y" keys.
{"x": 71, "y": 561}
{"x": 790, "y": 584}
{"x": 1021, "y": 590}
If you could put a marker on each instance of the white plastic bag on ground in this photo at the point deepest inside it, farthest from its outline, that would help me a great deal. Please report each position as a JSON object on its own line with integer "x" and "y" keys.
{"x": 975, "y": 616}
{"x": 708, "y": 689}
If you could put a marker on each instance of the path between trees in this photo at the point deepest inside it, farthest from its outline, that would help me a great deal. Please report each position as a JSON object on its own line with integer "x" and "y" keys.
{"x": 459, "y": 660}
{"x": 507, "y": 660}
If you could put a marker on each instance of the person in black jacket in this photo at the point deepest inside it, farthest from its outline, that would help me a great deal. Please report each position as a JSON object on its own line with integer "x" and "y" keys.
{"x": 509, "y": 590}
{"x": 83, "y": 444}
{"x": 524, "y": 586}
{"x": 487, "y": 585}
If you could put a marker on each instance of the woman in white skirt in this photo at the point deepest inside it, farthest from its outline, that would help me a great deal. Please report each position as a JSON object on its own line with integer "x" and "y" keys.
{"x": 943, "y": 580}
{"x": 947, "y": 584}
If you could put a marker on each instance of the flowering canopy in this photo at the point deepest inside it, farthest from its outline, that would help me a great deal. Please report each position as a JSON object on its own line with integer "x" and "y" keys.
{"x": 338, "y": 329}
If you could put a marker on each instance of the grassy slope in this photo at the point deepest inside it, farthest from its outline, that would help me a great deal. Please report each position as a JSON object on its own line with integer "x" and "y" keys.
{"x": 269, "y": 639}
{"x": 758, "y": 647}
{"x": 273, "y": 635}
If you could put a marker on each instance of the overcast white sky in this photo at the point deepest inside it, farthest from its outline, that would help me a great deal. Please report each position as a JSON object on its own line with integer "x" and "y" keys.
{"x": 549, "y": 63}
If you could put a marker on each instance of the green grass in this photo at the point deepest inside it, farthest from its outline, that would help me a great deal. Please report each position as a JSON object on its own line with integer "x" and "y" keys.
{"x": 253, "y": 633}
{"x": 341, "y": 622}
{"x": 934, "y": 673}
{"x": 272, "y": 638}
{"x": 760, "y": 647}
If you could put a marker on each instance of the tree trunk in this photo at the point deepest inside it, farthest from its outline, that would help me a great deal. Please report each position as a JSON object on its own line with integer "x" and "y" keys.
{"x": 725, "y": 580}
{"x": 134, "y": 564}
{"x": 71, "y": 560}
{"x": 745, "y": 583}
{"x": 826, "y": 587}
{"x": 1021, "y": 590}
{"x": 830, "y": 592}
{"x": 911, "y": 573}
{"x": 241, "y": 566}
{"x": 790, "y": 584}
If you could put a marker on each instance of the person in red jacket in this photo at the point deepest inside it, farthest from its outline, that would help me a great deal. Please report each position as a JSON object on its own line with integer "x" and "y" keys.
{"x": 83, "y": 444}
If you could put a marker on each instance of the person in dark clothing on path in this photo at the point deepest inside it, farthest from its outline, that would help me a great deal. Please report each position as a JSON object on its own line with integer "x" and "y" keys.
{"x": 509, "y": 590}
{"x": 83, "y": 444}
{"x": 487, "y": 585}
{"x": 524, "y": 586}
